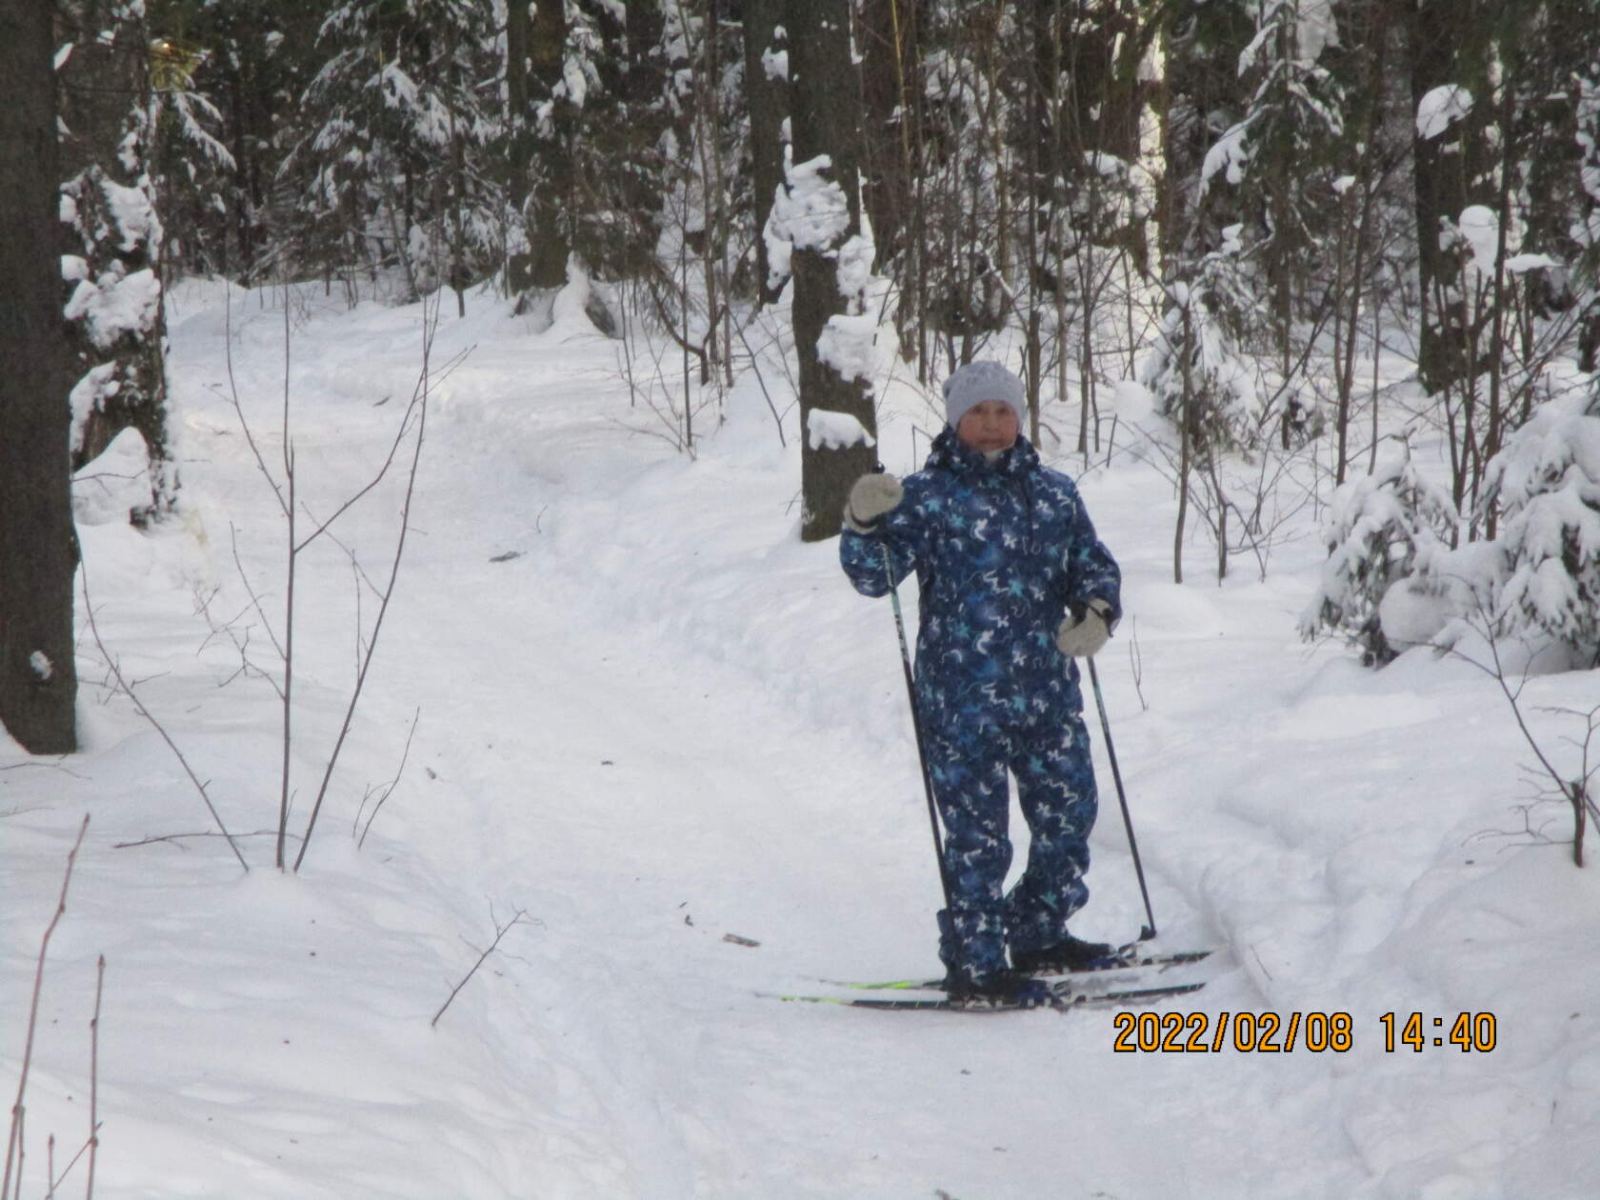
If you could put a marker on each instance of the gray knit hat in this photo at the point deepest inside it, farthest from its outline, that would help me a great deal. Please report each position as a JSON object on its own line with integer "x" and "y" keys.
{"x": 976, "y": 382}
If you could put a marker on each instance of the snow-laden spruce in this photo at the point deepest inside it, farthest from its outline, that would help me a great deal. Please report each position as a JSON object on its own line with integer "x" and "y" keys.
{"x": 399, "y": 98}
{"x": 1196, "y": 372}
{"x": 1547, "y": 480}
{"x": 114, "y": 247}
{"x": 1393, "y": 579}
{"x": 1383, "y": 530}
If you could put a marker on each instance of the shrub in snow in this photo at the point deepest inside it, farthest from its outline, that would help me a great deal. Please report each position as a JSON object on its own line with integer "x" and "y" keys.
{"x": 1393, "y": 580}
{"x": 1547, "y": 481}
{"x": 1195, "y": 372}
{"x": 1384, "y": 535}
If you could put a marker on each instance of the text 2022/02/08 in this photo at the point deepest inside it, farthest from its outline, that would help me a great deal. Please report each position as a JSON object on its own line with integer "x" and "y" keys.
{"x": 1284, "y": 1033}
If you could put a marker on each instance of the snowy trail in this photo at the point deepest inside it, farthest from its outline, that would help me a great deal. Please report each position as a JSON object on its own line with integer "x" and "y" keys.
{"x": 727, "y": 1094}
{"x": 659, "y": 719}
{"x": 623, "y": 788}
{"x": 647, "y": 756}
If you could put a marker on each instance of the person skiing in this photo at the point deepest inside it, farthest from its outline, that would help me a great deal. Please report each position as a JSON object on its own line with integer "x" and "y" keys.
{"x": 1014, "y": 586}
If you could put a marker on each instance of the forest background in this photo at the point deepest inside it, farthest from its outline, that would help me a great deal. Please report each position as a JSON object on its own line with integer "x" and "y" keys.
{"x": 1241, "y": 205}
{"x": 1323, "y": 264}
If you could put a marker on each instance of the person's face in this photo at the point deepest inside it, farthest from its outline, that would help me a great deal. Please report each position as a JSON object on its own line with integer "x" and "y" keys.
{"x": 988, "y": 427}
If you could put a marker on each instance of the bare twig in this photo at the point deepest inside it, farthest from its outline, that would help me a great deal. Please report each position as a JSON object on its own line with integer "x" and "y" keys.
{"x": 417, "y": 401}
{"x": 412, "y": 423}
{"x": 1574, "y": 791}
{"x": 287, "y": 691}
{"x": 58, "y": 1180}
{"x": 180, "y": 837}
{"x": 1136, "y": 661}
{"x": 255, "y": 601}
{"x": 18, "y": 1108}
{"x": 94, "y": 1074}
{"x": 229, "y": 628}
{"x": 500, "y": 932}
{"x": 233, "y": 395}
{"x": 127, "y": 689}
{"x": 48, "y": 766}
{"x": 388, "y": 791}
{"x": 755, "y": 365}
{"x": 420, "y": 404}
{"x": 429, "y": 380}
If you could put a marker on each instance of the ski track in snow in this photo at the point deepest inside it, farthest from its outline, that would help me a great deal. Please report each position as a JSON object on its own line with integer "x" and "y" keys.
{"x": 666, "y": 720}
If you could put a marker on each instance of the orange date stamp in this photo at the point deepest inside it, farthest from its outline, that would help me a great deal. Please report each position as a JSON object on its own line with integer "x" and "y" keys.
{"x": 1242, "y": 1032}
{"x": 1285, "y": 1033}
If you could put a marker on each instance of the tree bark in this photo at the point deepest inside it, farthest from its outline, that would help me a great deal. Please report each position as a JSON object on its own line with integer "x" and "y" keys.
{"x": 519, "y": 142}
{"x": 767, "y": 100}
{"x": 642, "y": 86}
{"x": 38, "y": 550}
{"x": 825, "y": 97}
{"x": 1444, "y": 45}
{"x": 550, "y": 163}
{"x": 889, "y": 72}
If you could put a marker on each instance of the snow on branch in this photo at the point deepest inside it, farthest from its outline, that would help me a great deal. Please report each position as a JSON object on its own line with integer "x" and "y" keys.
{"x": 1442, "y": 108}
{"x": 828, "y": 430}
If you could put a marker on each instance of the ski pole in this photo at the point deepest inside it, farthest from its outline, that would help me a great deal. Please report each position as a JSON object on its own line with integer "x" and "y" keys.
{"x": 916, "y": 724}
{"x": 1149, "y": 931}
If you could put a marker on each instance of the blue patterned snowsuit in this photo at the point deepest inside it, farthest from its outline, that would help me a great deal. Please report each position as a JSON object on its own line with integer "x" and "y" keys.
{"x": 1000, "y": 551}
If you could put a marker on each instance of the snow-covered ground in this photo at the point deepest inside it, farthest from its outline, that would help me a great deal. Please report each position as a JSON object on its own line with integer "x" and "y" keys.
{"x": 650, "y": 718}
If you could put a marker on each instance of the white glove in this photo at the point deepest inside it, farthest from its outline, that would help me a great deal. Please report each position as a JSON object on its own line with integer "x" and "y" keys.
{"x": 1085, "y": 636}
{"x": 871, "y": 497}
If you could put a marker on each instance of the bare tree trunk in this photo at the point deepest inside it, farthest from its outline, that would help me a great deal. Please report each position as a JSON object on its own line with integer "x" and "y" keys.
{"x": 1185, "y": 451}
{"x": 1445, "y": 45}
{"x": 888, "y": 66}
{"x": 549, "y": 164}
{"x": 1497, "y": 333}
{"x": 825, "y": 97}
{"x": 767, "y": 98}
{"x": 38, "y": 550}
{"x": 519, "y": 37}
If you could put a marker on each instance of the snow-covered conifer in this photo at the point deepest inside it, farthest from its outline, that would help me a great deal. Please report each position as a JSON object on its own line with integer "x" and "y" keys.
{"x": 1383, "y": 532}
{"x": 403, "y": 110}
{"x": 965, "y": 222}
{"x": 112, "y": 267}
{"x": 1282, "y": 155}
{"x": 1547, "y": 482}
{"x": 1196, "y": 371}
{"x": 195, "y": 172}
{"x": 1203, "y": 97}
